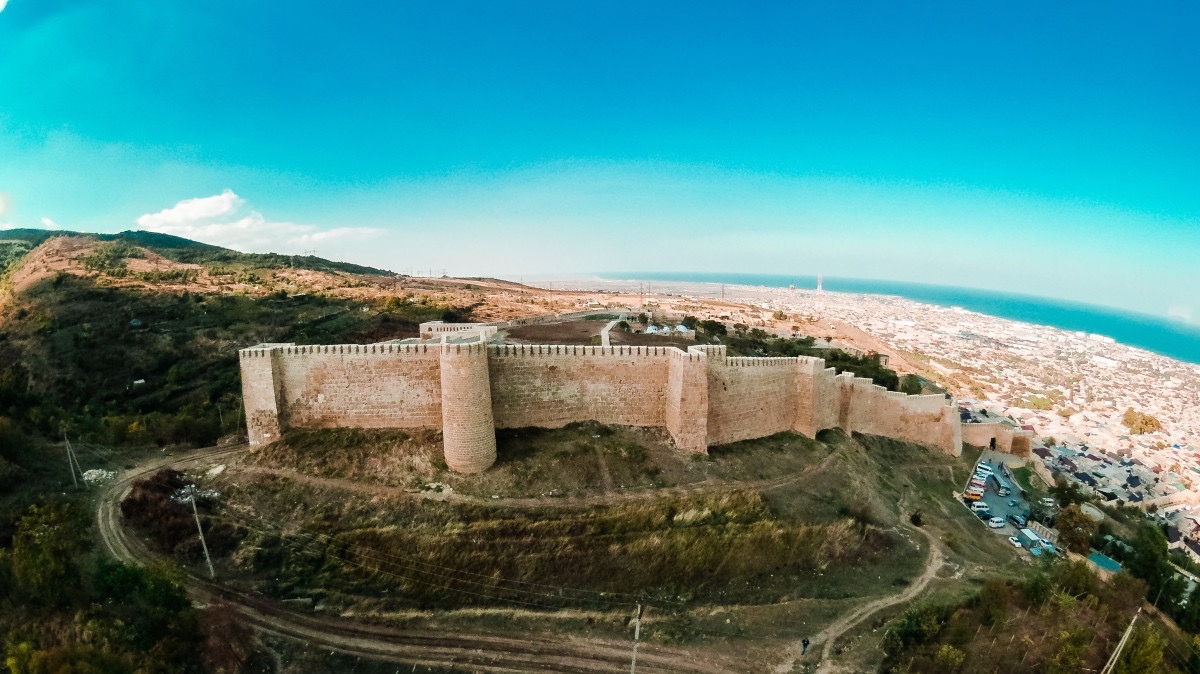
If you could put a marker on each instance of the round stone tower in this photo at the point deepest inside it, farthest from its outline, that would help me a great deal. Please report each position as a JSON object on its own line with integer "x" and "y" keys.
{"x": 468, "y": 430}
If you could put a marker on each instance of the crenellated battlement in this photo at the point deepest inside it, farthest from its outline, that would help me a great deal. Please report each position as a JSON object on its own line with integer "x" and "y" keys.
{"x": 757, "y": 361}
{"x": 503, "y": 350}
{"x": 701, "y": 396}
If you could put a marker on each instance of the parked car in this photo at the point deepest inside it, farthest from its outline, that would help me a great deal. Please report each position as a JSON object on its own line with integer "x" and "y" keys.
{"x": 1018, "y": 520}
{"x": 996, "y": 522}
{"x": 1012, "y": 503}
{"x": 1015, "y": 541}
{"x": 1048, "y": 502}
{"x": 980, "y": 506}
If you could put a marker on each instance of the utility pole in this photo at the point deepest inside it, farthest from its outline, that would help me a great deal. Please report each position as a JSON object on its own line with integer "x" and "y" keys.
{"x": 71, "y": 466}
{"x": 72, "y": 460}
{"x": 637, "y": 631}
{"x": 203, "y": 544}
{"x": 74, "y": 457}
{"x": 1112, "y": 661}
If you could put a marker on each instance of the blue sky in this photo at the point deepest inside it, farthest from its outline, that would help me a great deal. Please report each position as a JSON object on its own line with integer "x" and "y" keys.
{"x": 1010, "y": 146}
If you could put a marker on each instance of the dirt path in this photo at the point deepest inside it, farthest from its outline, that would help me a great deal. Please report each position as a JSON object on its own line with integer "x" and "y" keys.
{"x": 826, "y": 639}
{"x": 483, "y": 652}
{"x": 611, "y": 495}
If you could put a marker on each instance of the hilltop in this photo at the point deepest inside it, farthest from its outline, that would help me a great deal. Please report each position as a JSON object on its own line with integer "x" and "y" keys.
{"x": 127, "y": 343}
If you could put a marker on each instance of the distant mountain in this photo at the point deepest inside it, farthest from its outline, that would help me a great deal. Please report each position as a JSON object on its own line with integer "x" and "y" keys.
{"x": 15, "y": 243}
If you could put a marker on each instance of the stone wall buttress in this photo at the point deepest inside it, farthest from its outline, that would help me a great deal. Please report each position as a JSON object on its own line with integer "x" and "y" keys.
{"x": 260, "y": 395}
{"x": 468, "y": 427}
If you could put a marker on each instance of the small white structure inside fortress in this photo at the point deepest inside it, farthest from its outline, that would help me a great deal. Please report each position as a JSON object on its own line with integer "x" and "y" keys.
{"x": 454, "y": 380}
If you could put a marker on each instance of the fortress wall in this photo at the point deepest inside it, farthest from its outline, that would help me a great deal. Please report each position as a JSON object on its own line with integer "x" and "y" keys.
{"x": 260, "y": 395}
{"x": 806, "y": 369}
{"x": 864, "y": 407}
{"x": 1009, "y": 439}
{"x": 686, "y": 411}
{"x": 750, "y": 398}
{"x": 923, "y": 418}
{"x": 825, "y": 398}
{"x": 363, "y": 386}
{"x": 702, "y": 397}
{"x": 552, "y": 386}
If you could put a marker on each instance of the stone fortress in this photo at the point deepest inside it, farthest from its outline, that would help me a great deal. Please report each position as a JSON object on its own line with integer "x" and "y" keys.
{"x": 453, "y": 379}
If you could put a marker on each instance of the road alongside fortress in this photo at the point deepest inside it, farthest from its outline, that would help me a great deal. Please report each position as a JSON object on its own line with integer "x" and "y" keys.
{"x": 478, "y": 652}
{"x": 475, "y": 652}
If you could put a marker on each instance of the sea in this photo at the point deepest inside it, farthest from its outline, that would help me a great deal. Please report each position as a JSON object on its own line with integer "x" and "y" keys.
{"x": 1166, "y": 337}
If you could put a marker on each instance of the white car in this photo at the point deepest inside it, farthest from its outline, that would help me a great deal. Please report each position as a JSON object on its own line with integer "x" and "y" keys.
{"x": 1015, "y": 541}
{"x": 996, "y": 522}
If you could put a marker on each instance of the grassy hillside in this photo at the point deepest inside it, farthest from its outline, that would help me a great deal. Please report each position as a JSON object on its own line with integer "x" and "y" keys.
{"x": 739, "y": 548}
{"x": 130, "y": 360}
{"x": 181, "y": 250}
{"x": 121, "y": 366}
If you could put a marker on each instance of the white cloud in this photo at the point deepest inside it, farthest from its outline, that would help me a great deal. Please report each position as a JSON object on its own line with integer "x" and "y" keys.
{"x": 217, "y": 220}
{"x": 191, "y": 210}
{"x": 47, "y": 222}
{"x": 3, "y": 4}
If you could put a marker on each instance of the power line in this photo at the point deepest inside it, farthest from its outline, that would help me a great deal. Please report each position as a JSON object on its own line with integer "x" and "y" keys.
{"x": 1112, "y": 661}
{"x": 203, "y": 543}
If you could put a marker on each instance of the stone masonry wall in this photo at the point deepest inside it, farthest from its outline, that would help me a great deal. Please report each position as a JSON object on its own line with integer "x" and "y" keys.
{"x": 363, "y": 386}
{"x": 552, "y": 386}
{"x": 468, "y": 428}
{"x": 686, "y": 413}
{"x": 260, "y": 395}
{"x": 1009, "y": 439}
{"x": 700, "y": 396}
{"x": 750, "y": 398}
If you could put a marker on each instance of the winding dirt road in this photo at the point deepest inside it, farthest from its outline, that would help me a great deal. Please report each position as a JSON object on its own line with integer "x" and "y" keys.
{"x": 829, "y": 636}
{"x": 477, "y": 652}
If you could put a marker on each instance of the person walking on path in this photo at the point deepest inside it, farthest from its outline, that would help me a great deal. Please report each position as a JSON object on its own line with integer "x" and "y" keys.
{"x": 804, "y": 646}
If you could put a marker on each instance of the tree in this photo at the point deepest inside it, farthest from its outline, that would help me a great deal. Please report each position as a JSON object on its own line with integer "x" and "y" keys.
{"x": 1075, "y": 529}
{"x": 690, "y": 322}
{"x": 44, "y": 551}
{"x": 713, "y": 328}
{"x": 1149, "y": 560}
{"x": 1143, "y": 652}
{"x": 1140, "y": 422}
{"x": 1066, "y": 492}
{"x": 1037, "y": 588}
{"x": 950, "y": 658}
{"x": 1070, "y": 654}
{"x": 993, "y": 601}
{"x": 911, "y": 384}
{"x": 1189, "y": 616}
{"x": 1076, "y": 578}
